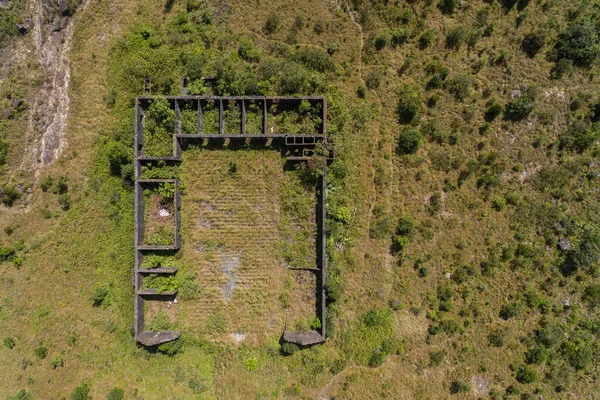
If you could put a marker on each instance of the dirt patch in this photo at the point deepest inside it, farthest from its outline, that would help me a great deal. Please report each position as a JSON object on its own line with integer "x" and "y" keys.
{"x": 229, "y": 266}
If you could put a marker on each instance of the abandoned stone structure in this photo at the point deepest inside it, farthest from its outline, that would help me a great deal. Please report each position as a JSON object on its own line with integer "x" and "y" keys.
{"x": 301, "y": 148}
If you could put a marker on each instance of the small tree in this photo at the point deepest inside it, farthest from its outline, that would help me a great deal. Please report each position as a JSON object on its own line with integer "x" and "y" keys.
{"x": 532, "y": 44}
{"x": 409, "y": 104}
{"x": 410, "y": 141}
{"x": 580, "y": 43}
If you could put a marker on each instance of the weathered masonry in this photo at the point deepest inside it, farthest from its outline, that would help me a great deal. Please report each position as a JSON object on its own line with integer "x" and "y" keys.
{"x": 300, "y": 148}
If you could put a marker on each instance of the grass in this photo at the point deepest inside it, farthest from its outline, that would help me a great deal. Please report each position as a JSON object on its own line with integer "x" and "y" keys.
{"x": 235, "y": 229}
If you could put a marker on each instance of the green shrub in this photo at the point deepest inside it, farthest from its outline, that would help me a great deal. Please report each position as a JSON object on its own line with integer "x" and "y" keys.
{"x": 115, "y": 394}
{"x": 3, "y": 151}
{"x": 459, "y": 387}
{"x": 426, "y": 39}
{"x": 21, "y": 395}
{"x": 492, "y": 111}
{"x": 247, "y": 51}
{"x": 405, "y": 226}
{"x": 381, "y": 40}
{"x": 461, "y": 86}
{"x": 338, "y": 366}
{"x": 400, "y": 36}
{"x": 6, "y": 253}
{"x": 409, "y": 104}
{"x": 532, "y": 43}
{"x": 536, "y": 355}
{"x": 591, "y": 295}
{"x": 171, "y": 348}
{"x": 57, "y": 362}
{"x": 526, "y": 374}
{"x": 361, "y": 91}
{"x": 315, "y": 58}
{"x": 41, "y": 352}
{"x": 580, "y": 136}
{"x": 563, "y": 66}
{"x": 456, "y": 38}
{"x": 519, "y": 108}
{"x": 511, "y": 310}
{"x": 65, "y": 201}
{"x": 251, "y": 364}
{"x": 584, "y": 254}
{"x": 499, "y": 337}
{"x": 61, "y": 185}
{"x": 271, "y": 24}
{"x": 449, "y": 6}
{"x": 579, "y": 43}
{"x": 373, "y": 79}
{"x": 81, "y": 393}
{"x": 99, "y": 296}
{"x": 9, "y": 194}
{"x": 46, "y": 183}
{"x": 410, "y": 141}
{"x": 287, "y": 349}
{"x": 498, "y": 203}
{"x": 377, "y": 358}
{"x": 9, "y": 342}
{"x": 436, "y": 357}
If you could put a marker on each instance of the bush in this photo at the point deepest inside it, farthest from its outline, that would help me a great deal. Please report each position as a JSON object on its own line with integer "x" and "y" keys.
{"x": 409, "y": 104}
{"x": 247, "y": 51}
{"x": 3, "y": 151}
{"x": 46, "y": 183}
{"x": 579, "y": 136}
{"x": 8, "y": 195}
{"x": 410, "y": 141}
{"x": 400, "y": 36}
{"x": 377, "y": 358}
{"x": 171, "y": 348}
{"x": 373, "y": 79}
{"x": 6, "y": 253}
{"x": 532, "y": 44}
{"x": 537, "y": 355}
{"x": 287, "y": 349}
{"x": 499, "y": 337}
{"x": 338, "y": 366}
{"x": 315, "y": 58}
{"x": 562, "y": 67}
{"x": 381, "y": 40}
{"x": 459, "y": 387}
{"x": 460, "y": 86}
{"x": 251, "y": 364}
{"x": 584, "y": 255}
{"x": 498, "y": 203}
{"x": 591, "y": 295}
{"x": 9, "y": 343}
{"x": 518, "y": 108}
{"x": 60, "y": 186}
{"x": 81, "y": 393}
{"x": 405, "y": 226}
{"x": 426, "y": 39}
{"x": 57, "y": 362}
{"x": 456, "y": 38}
{"x": 361, "y": 91}
{"x": 493, "y": 111}
{"x": 21, "y": 395}
{"x": 99, "y": 296}
{"x": 526, "y": 374}
{"x": 436, "y": 357}
{"x": 373, "y": 318}
{"x": 448, "y": 6}
{"x": 65, "y": 202}
{"x": 579, "y": 43}
{"x": 115, "y": 394}
{"x": 41, "y": 352}
{"x": 271, "y": 24}
{"x": 511, "y": 310}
